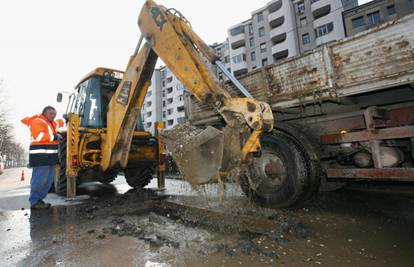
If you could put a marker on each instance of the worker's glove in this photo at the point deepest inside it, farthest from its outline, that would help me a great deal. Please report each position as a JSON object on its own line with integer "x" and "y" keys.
{"x": 57, "y": 136}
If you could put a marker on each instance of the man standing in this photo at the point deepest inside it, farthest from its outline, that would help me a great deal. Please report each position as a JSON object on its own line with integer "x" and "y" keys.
{"x": 43, "y": 154}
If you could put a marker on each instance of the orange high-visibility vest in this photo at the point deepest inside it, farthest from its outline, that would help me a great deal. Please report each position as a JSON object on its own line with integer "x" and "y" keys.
{"x": 44, "y": 143}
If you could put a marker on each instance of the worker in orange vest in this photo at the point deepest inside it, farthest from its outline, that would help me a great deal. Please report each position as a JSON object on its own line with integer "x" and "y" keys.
{"x": 43, "y": 154}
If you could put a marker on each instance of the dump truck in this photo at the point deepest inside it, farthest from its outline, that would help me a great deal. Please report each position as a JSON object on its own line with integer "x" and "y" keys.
{"x": 103, "y": 138}
{"x": 343, "y": 112}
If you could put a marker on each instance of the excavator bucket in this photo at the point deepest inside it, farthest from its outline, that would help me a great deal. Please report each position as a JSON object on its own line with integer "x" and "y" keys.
{"x": 198, "y": 153}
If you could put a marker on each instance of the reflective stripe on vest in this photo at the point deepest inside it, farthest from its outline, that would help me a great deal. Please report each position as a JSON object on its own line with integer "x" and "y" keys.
{"x": 51, "y": 135}
{"x": 43, "y": 151}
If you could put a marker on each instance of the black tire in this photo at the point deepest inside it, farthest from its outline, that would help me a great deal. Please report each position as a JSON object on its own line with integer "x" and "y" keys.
{"x": 314, "y": 172}
{"x": 138, "y": 178}
{"x": 108, "y": 177}
{"x": 277, "y": 178}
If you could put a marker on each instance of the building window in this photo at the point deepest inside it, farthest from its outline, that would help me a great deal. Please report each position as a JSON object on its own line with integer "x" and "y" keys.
{"x": 358, "y": 22}
{"x": 301, "y": 8}
{"x": 169, "y": 90}
{"x": 305, "y": 38}
{"x": 303, "y": 21}
{"x": 169, "y": 79}
{"x": 149, "y": 93}
{"x": 170, "y": 122}
{"x": 163, "y": 114}
{"x": 149, "y": 124}
{"x": 373, "y": 18}
{"x": 259, "y": 17}
{"x": 411, "y": 3}
{"x": 261, "y": 31}
{"x": 251, "y": 42}
{"x": 324, "y": 29}
{"x": 169, "y": 100}
{"x": 253, "y": 56}
{"x": 250, "y": 29}
{"x": 263, "y": 47}
{"x": 180, "y": 108}
{"x": 239, "y": 58}
{"x": 149, "y": 103}
{"x": 169, "y": 111}
{"x": 163, "y": 103}
{"x": 264, "y": 62}
{"x": 149, "y": 114}
{"x": 237, "y": 30}
{"x": 226, "y": 59}
{"x": 391, "y": 10}
{"x": 180, "y": 97}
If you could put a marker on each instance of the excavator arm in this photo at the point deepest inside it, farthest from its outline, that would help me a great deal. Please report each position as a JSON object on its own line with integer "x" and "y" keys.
{"x": 201, "y": 155}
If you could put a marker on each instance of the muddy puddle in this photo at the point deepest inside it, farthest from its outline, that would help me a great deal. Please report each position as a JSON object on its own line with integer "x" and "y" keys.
{"x": 187, "y": 228}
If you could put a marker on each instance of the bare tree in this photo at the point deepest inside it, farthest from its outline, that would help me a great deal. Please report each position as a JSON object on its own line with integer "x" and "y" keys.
{"x": 12, "y": 152}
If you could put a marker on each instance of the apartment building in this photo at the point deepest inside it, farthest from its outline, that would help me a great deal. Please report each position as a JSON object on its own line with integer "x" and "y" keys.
{"x": 285, "y": 28}
{"x": 223, "y": 53}
{"x": 152, "y": 108}
{"x": 374, "y": 13}
{"x": 164, "y": 100}
{"x": 280, "y": 29}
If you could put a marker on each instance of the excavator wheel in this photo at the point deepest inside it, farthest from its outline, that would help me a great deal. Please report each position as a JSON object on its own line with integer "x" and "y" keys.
{"x": 277, "y": 178}
{"x": 60, "y": 179}
{"x": 107, "y": 177}
{"x": 138, "y": 177}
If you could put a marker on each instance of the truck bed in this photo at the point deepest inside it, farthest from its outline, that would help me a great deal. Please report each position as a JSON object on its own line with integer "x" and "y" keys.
{"x": 376, "y": 59}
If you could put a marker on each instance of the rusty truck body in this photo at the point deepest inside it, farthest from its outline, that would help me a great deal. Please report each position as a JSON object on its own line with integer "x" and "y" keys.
{"x": 348, "y": 105}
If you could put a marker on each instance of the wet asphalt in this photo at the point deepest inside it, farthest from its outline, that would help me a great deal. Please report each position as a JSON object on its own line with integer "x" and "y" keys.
{"x": 117, "y": 226}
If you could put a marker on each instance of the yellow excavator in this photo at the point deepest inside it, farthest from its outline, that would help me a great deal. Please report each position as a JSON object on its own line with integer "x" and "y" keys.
{"x": 104, "y": 136}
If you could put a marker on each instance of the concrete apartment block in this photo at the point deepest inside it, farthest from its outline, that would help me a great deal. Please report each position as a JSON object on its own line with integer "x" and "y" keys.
{"x": 152, "y": 108}
{"x": 164, "y": 100}
{"x": 285, "y": 28}
{"x": 374, "y": 13}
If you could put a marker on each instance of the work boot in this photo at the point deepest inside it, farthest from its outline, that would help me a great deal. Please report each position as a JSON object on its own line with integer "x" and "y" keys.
{"x": 40, "y": 205}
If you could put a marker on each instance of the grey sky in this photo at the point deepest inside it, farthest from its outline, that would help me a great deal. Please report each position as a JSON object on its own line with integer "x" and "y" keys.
{"x": 49, "y": 45}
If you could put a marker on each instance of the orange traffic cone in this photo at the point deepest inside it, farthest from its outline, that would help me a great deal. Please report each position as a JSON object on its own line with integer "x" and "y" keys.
{"x": 22, "y": 178}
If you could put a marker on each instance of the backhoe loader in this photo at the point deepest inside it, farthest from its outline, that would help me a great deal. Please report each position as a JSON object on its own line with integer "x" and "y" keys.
{"x": 104, "y": 138}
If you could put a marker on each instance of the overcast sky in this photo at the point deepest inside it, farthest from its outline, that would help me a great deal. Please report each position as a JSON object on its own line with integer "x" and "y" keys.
{"x": 47, "y": 46}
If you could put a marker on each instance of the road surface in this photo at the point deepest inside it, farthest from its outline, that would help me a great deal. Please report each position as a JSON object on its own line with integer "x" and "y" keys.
{"x": 117, "y": 226}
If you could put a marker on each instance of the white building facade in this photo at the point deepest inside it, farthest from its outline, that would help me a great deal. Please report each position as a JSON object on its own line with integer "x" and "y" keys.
{"x": 164, "y": 101}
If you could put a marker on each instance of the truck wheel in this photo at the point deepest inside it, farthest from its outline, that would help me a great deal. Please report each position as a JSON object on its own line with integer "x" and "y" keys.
{"x": 60, "y": 179}
{"x": 278, "y": 177}
{"x": 138, "y": 178}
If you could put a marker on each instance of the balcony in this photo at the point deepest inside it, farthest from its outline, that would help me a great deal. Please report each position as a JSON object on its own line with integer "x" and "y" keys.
{"x": 277, "y": 31}
{"x": 280, "y": 50}
{"x": 320, "y": 8}
{"x": 274, "y": 6}
{"x": 237, "y": 40}
{"x": 237, "y": 37}
{"x": 275, "y": 16}
{"x": 276, "y": 22}
{"x": 279, "y": 38}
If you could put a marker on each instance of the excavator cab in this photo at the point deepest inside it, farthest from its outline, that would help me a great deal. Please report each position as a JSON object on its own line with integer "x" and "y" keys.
{"x": 94, "y": 95}
{"x": 87, "y": 108}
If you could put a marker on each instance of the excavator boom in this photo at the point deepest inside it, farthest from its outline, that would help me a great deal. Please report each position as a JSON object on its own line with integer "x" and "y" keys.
{"x": 202, "y": 155}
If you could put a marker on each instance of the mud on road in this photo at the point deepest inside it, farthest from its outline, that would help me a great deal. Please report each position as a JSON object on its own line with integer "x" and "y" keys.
{"x": 146, "y": 228}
